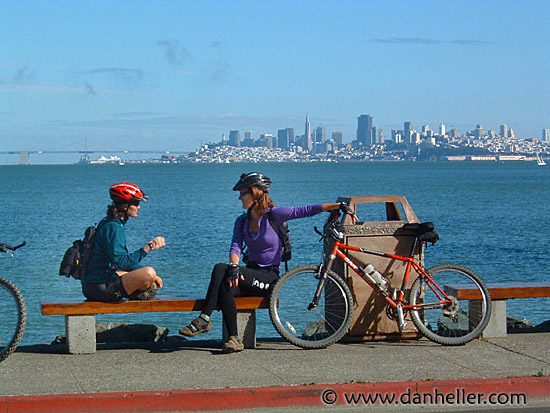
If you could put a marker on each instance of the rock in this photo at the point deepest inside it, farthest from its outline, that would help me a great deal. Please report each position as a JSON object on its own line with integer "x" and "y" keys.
{"x": 518, "y": 325}
{"x": 122, "y": 332}
{"x": 543, "y": 327}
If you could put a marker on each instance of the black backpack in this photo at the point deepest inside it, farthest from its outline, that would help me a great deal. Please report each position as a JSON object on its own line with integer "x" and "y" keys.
{"x": 75, "y": 261}
{"x": 284, "y": 236}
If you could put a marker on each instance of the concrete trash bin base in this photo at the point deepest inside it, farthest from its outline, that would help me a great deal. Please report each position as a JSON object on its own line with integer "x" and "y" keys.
{"x": 382, "y": 230}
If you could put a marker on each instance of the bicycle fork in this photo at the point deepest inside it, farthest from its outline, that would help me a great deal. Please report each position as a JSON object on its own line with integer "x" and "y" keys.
{"x": 322, "y": 274}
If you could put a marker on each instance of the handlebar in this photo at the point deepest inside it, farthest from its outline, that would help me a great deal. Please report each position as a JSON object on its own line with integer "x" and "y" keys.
{"x": 329, "y": 229}
{"x": 7, "y": 248}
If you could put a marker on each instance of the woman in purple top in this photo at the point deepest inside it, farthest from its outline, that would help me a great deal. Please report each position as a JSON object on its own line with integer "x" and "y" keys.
{"x": 254, "y": 231}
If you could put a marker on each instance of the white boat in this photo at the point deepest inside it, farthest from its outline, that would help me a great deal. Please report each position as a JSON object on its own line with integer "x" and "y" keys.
{"x": 540, "y": 161}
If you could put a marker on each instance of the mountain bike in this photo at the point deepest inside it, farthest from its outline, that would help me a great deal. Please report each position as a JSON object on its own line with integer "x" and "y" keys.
{"x": 13, "y": 314}
{"x": 312, "y": 307}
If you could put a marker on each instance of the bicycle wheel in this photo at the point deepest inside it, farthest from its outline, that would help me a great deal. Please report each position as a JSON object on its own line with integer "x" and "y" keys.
{"x": 13, "y": 317}
{"x": 456, "y": 323}
{"x": 316, "y": 328}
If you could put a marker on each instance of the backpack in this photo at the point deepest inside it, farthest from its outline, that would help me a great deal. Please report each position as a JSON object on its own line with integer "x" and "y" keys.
{"x": 75, "y": 261}
{"x": 284, "y": 236}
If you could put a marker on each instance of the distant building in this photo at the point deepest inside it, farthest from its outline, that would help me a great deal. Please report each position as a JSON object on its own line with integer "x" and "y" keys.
{"x": 546, "y": 135}
{"x": 377, "y": 135}
{"x": 234, "y": 138}
{"x": 396, "y": 135}
{"x": 442, "y": 130}
{"x": 364, "y": 130}
{"x": 248, "y": 134}
{"x": 408, "y": 132}
{"x": 337, "y": 138}
{"x": 319, "y": 134}
{"x": 266, "y": 140}
{"x": 307, "y": 144}
{"x": 504, "y": 131}
{"x": 479, "y": 132}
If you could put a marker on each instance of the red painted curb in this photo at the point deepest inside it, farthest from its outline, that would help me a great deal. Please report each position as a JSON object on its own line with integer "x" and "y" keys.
{"x": 450, "y": 392}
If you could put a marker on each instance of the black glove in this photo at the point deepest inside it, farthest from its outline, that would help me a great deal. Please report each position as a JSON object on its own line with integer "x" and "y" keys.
{"x": 345, "y": 209}
{"x": 234, "y": 272}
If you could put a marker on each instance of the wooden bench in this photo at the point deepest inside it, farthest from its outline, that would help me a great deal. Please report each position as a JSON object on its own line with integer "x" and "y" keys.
{"x": 80, "y": 316}
{"x": 500, "y": 292}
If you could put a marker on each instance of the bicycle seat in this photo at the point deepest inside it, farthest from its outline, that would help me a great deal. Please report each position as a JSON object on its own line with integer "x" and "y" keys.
{"x": 420, "y": 229}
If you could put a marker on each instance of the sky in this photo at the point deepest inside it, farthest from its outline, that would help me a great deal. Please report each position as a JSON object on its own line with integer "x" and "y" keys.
{"x": 170, "y": 75}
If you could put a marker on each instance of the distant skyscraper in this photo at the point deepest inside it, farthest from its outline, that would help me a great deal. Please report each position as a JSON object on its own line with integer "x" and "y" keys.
{"x": 234, "y": 138}
{"x": 285, "y": 138}
{"x": 248, "y": 134}
{"x": 408, "y": 132}
{"x": 307, "y": 136}
{"x": 546, "y": 135}
{"x": 377, "y": 135}
{"x": 364, "y": 129}
{"x": 442, "y": 130}
{"x": 337, "y": 138}
{"x": 319, "y": 134}
{"x": 504, "y": 130}
{"x": 266, "y": 139}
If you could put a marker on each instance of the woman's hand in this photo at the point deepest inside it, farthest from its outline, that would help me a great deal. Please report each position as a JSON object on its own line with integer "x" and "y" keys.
{"x": 234, "y": 274}
{"x": 155, "y": 244}
{"x": 158, "y": 283}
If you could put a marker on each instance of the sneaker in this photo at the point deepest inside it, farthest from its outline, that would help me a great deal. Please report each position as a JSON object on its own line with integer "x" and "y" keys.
{"x": 233, "y": 345}
{"x": 197, "y": 326}
{"x": 143, "y": 295}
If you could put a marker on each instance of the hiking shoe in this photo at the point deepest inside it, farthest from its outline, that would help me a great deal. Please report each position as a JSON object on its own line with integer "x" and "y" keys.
{"x": 233, "y": 345}
{"x": 197, "y": 326}
{"x": 143, "y": 295}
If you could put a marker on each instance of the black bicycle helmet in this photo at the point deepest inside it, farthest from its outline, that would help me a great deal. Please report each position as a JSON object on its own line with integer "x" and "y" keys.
{"x": 253, "y": 179}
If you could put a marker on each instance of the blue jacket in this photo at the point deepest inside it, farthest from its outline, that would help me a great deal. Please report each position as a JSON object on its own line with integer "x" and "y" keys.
{"x": 110, "y": 253}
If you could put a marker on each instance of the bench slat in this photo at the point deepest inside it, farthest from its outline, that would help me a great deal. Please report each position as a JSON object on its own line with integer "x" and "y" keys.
{"x": 158, "y": 304}
{"x": 502, "y": 291}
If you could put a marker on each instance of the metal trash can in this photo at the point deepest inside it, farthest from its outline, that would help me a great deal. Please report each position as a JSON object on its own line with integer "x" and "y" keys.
{"x": 381, "y": 230}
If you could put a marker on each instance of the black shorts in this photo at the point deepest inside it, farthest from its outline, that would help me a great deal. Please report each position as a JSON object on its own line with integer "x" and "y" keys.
{"x": 112, "y": 290}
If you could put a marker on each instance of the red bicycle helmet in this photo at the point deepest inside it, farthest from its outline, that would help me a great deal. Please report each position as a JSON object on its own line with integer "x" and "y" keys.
{"x": 126, "y": 192}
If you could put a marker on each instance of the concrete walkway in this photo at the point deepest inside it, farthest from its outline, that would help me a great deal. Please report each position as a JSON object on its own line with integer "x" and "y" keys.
{"x": 195, "y": 375}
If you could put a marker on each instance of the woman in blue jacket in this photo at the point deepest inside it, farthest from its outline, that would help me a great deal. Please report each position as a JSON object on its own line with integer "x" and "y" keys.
{"x": 113, "y": 272}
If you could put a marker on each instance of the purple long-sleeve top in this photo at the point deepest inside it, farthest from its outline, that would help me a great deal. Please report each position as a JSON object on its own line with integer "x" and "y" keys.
{"x": 265, "y": 248}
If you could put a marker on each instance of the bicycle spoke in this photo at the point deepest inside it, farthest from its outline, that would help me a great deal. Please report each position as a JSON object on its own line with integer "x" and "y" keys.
{"x": 316, "y": 328}
{"x": 457, "y": 321}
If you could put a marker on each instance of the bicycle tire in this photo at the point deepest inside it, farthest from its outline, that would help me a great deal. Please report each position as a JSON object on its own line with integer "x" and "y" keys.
{"x": 310, "y": 329}
{"x": 454, "y": 324}
{"x": 14, "y": 317}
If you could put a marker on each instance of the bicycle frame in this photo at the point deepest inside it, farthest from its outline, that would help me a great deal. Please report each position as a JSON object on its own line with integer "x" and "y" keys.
{"x": 396, "y": 298}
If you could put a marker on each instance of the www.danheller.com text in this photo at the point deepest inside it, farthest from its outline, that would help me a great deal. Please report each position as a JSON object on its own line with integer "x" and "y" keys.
{"x": 410, "y": 396}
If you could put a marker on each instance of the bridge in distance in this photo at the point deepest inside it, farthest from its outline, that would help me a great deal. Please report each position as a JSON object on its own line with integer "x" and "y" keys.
{"x": 24, "y": 155}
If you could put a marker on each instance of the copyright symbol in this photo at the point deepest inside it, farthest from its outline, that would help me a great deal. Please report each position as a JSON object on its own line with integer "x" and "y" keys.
{"x": 329, "y": 396}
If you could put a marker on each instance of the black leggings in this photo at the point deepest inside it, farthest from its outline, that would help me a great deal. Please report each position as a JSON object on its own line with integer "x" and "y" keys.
{"x": 257, "y": 282}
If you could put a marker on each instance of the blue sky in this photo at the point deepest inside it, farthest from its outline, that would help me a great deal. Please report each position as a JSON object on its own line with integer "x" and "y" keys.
{"x": 168, "y": 75}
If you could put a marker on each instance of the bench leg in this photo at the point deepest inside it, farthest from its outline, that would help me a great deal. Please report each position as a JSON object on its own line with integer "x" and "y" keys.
{"x": 246, "y": 323}
{"x": 497, "y": 323}
{"x": 80, "y": 331}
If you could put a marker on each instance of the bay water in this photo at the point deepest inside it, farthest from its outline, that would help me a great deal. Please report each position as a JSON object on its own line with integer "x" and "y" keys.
{"x": 492, "y": 217}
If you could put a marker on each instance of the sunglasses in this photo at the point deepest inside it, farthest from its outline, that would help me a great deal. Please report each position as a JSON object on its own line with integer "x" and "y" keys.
{"x": 243, "y": 193}
{"x": 134, "y": 202}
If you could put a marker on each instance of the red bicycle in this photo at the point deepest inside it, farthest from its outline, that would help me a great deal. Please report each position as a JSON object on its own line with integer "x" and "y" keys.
{"x": 322, "y": 319}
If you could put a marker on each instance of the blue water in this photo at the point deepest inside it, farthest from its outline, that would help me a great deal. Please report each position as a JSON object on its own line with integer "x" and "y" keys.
{"x": 491, "y": 217}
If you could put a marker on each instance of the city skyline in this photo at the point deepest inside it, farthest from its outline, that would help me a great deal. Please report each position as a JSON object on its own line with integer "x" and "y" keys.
{"x": 153, "y": 75}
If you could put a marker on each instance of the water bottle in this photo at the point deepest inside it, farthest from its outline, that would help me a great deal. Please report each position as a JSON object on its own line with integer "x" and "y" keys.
{"x": 376, "y": 276}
